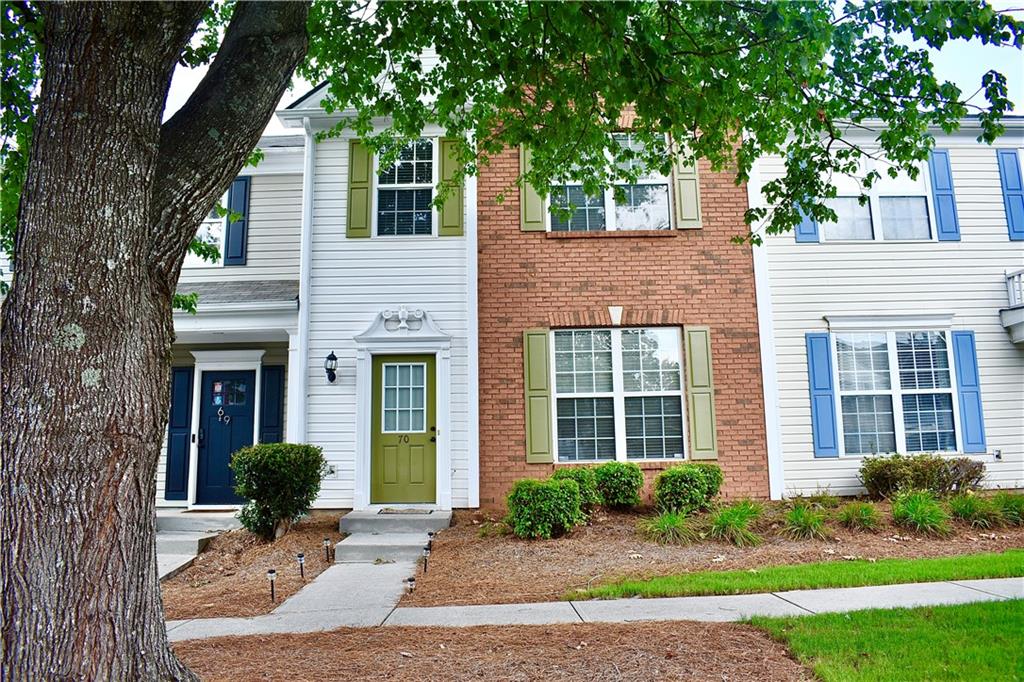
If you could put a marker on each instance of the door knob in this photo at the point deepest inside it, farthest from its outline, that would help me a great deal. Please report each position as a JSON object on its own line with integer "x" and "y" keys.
{"x": 433, "y": 428}
{"x": 433, "y": 439}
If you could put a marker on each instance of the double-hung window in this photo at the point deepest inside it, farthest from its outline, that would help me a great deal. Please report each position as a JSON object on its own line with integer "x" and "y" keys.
{"x": 211, "y": 231}
{"x": 642, "y": 205}
{"x": 618, "y": 394}
{"x": 405, "y": 192}
{"x": 896, "y": 392}
{"x": 897, "y": 209}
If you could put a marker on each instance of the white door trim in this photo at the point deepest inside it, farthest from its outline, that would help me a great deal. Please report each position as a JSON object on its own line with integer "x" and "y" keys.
{"x": 219, "y": 361}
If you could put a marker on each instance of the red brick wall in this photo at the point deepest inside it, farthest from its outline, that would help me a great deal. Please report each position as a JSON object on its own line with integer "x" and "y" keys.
{"x": 536, "y": 279}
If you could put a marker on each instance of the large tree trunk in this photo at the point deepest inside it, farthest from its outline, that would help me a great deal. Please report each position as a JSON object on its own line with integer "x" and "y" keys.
{"x": 87, "y": 326}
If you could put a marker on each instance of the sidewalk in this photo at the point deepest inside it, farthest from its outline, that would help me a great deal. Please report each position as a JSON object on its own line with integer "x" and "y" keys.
{"x": 327, "y": 605}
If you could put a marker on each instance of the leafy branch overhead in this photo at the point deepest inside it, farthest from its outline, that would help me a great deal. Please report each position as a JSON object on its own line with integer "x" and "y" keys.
{"x": 731, "y": 81}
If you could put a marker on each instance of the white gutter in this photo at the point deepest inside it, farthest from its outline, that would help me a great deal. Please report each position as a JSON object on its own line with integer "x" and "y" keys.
{"x": 297, "y": 392}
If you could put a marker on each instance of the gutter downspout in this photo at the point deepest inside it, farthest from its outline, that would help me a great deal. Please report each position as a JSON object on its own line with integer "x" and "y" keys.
{"x": 297, "y": 397}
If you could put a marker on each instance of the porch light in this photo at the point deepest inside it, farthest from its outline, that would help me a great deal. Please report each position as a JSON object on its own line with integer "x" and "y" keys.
{"x": 272, "y": 576}
{"x": 331, "y": 366}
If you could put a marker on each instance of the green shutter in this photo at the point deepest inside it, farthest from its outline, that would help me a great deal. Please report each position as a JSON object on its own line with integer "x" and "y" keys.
{"x": 536, "y": 371}
{"x": 452, "y": 211}
{"x": 700, "y": 393}
{"x": 531, "y": 206}
{"x": 687, "y": 187}
{"x": 360, "y": 190}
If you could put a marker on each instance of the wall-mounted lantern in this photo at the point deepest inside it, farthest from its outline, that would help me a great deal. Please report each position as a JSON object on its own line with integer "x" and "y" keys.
{"x": 331, "y": 366}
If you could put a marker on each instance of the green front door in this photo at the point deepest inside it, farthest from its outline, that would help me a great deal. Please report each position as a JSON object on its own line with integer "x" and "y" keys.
{"x": 404, "y": 429}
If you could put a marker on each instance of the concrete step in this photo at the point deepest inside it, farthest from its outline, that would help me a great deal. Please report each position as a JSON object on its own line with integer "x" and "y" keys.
{"x": 376, "y": 522}
{"x": 196, "y": 522}
{"x": 371, "y": 547}
{"x": 182, "y": 542}
{"x": 169, "y": 565}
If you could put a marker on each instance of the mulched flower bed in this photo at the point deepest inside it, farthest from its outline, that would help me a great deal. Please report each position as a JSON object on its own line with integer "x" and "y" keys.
{"x": 587, "y": 651}
{"x": 229, "y": 578}
{"x": 467, "y": 568}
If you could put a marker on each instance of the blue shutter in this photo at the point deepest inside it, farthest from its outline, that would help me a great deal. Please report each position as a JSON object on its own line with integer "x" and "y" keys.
{"x": 943, "y": 199}
{"x": 179, "y": 435}
{"x": 823, "y": 403}
{"x": 972, "y": 420}
{"x": 236, "y": 235}
{"x": 272, "y": 404}
{"x": 1013, "y": 192}
{"x": 807, "y": 230}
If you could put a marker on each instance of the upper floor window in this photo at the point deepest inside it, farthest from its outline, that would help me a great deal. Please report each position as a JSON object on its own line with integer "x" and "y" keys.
{"x": 643, "y": 205}
{"x": 897, "y": 209}
{"x": 618, "y": 394}
{"x": 896, "y": 392}
{"x": 405, "y": 192}
{"x": 211, "y": 231}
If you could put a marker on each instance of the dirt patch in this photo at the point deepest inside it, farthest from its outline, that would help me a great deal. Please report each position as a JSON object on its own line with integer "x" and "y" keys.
{"x": 230, "y": 577}
{"x": 466, "y": 568}
{"x": 587, "y": 651}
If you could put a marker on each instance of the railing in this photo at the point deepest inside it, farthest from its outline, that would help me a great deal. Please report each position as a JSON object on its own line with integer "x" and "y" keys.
{"x": 1015, "y": 287}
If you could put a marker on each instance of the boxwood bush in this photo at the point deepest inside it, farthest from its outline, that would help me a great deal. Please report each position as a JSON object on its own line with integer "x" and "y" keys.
{"x": 544, "y": 509}
{"x": 619, "y": 484}
{"x": 585, "y": 479}
{"x": 688, "y": 487}
{"x": 280, "y": 480}
{"x": 885, "y": 476}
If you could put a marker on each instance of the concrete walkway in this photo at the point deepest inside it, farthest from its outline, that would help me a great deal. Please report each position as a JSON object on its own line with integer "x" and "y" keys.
{"x": 364, "y": 595}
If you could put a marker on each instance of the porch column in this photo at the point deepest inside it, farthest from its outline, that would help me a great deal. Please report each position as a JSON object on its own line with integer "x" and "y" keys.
{"x": 295, "y": 430}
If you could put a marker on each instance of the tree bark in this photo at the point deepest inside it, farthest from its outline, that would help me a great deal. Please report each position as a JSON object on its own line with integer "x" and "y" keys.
{"x": 87, "y": 329}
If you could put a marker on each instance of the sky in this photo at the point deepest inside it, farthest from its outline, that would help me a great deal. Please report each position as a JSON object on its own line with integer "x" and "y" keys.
{"x": 960, "y": 62}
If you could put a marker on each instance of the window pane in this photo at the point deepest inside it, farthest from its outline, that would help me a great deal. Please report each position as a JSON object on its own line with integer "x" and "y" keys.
{"x": 650, "y": 360}
{"x": 928, "y": 419}
{"x": 211, "y": 231}
{"x": 923, "y": 360}
{"x": 654, "y": 427}
{"x": 586, "y": 429}
{"x": 587, "y": 213}
{"x": 645, "y": 207}
{"x": 868, "y": 426}
{"x": 904, "y": 217}
{"x": 404, "y": 212}
{"x": 854, "y": 220}
{"x": 404, "y": 387}
{"x": 583, "y": 360}
{"x": 415, "y": 166}
{"x": 863, "y": 361}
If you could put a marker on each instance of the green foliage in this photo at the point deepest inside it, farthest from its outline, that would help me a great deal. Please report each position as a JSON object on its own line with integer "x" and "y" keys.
{"x": 585, "y": 479}
{"x": 280, "y": 480}
{"x": 619, "y": 484}
{"x": 885, "y": 476}
{"x": 544, "y": 509}
{"x": 668, "y": 528}
{"x": 804, "y": 522}
{"x": 860, "y": 516}
{"x": 688, "y": 487}
{"x": 824, "y": 499}
{"x": 977, "y": 511}
{"x": 1011, "y": 507}
{"x": 919, "y": 510}
{"x": 732, "y": 523}
{"x": 491, "y": 529}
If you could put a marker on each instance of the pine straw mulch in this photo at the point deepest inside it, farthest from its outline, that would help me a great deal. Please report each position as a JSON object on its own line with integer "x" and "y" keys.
{"x": 586, "y": 651}
{"x": 468, "y": 565}
{"x": 229, "y": 578}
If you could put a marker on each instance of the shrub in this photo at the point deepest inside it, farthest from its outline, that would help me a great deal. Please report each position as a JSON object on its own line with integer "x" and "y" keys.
{"x": 667, "y": 528}
{"x": 860, "y": 516}
{"x": 619, "y": 484}
{"x": 687, "y": 488}
{"x": 585, "y": 479}
{"x": 885, "y": 476}
{"x": 979, "y": 512}
{"x": 920, "y": 511}
{"x": 732, "y": 523}
{"x": 1011, "y": 507}
{"x": 544, "y": 509}
{"x": 824, "y": 499}
{"x": 280, "y": 480}
{"x": 804, "y": 522}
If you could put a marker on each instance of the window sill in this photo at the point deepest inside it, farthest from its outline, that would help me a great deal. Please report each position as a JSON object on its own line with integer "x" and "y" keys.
{"x": 612, "y": 234}
{"x": 644, "y": 464}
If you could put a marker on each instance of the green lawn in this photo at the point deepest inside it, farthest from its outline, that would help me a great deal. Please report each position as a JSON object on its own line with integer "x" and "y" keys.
{"x": 983, "y": 641}
{"x": 810, "y": 576}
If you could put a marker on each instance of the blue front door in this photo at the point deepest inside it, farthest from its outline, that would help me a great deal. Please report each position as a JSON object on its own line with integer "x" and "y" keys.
{"x": 225, "y": 425}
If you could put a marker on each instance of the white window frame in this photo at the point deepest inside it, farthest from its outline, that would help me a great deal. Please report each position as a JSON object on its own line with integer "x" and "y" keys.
{"x": 610, "y": 223}
{"x": 883, "y": 187}
{"x": 383, "y": 397}
{"x": 198, "y": 262}
{"x": 895, "y": 390}
{"x": 434, "y": 179}
{"x": 618, "y": 396}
